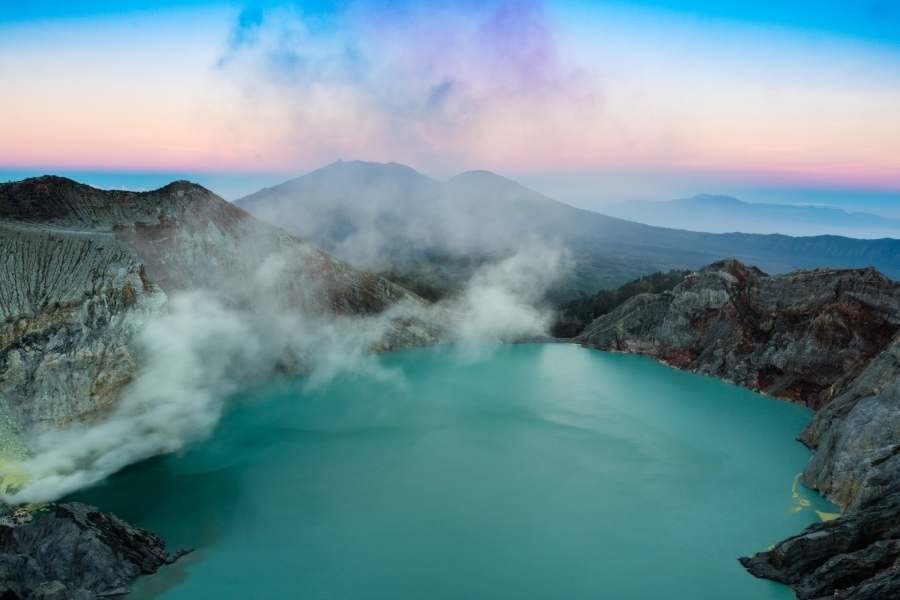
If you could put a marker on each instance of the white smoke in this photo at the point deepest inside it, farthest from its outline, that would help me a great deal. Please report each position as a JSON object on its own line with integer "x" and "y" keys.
{"x": 502, "y": 302}
{"x": 207, "y": 345}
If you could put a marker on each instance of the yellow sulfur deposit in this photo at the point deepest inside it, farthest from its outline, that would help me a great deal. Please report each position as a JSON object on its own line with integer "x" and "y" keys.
{"x": 12, "y": 453}
{"x": 827, "y": 516}
{"x": 799, "y": 501}
{"x": 12, "y": 476}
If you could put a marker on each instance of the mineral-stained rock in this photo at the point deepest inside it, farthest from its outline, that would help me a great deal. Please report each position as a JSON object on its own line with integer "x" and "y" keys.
{"x": 803, "y": 336}
{"x": 76, "y": 552}
{"x": 826, "y": 338}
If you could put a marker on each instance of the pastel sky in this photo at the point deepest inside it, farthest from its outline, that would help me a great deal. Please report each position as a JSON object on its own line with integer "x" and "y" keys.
{"x": 590, "y": 101}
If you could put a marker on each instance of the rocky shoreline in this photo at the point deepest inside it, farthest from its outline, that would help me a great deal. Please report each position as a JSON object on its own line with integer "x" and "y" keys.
{"x": 854, "y": 557}
{"x": 827, "y": 338}
{"x": 76, "y": 552}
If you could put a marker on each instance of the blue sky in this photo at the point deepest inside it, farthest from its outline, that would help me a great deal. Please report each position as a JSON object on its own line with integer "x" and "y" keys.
{"x": 874, "y": 20}
{"x": 869, "y": 19}
{"x": 589, "y": 101}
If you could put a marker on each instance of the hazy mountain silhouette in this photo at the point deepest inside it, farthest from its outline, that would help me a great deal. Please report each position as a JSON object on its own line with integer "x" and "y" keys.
{"x": 389, "y": 217}
{"x": 721, "y": 214}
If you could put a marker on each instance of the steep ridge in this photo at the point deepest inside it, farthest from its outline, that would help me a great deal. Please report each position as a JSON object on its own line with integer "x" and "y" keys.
{"x": 387, "y": 215}
{"x": 82, "y": 270}
{"x": 826, "y": 338}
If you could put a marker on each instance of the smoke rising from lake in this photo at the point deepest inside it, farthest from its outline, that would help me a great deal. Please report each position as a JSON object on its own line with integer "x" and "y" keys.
{"x": 206, "y": 345}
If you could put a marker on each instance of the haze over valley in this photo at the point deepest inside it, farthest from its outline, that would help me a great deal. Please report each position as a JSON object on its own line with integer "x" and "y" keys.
{"x": 432, "y": 234}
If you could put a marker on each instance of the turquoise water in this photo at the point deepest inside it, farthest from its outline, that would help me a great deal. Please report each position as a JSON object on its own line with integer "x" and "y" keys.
{"x": 544, "y": 471}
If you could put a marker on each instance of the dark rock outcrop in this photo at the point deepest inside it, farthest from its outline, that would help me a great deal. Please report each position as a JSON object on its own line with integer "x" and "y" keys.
{"x": 854, "y": 556}
{"x": 826, "y": 338}
{"x": 76, "y": 553}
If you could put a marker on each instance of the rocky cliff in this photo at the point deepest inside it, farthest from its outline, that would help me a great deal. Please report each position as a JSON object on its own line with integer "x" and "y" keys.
{"x": 75, "y": 552}
{"x": 82, "y": 270}
{"x": 82, "y": 273}
{"x": 825, "y": 338}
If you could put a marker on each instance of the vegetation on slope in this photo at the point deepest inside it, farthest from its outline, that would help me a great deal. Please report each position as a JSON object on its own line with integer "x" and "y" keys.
{"x": 574, "y": 316}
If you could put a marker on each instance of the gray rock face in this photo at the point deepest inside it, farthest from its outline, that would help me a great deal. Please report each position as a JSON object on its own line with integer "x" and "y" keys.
{"x": 856, "y": 437}
{"x": 803, "y": 336}
{"x": 76, "y": 553}
{"x": 70, "y": 306}
{"x": 83, "y": 270}
{"x": 825, "y": 338}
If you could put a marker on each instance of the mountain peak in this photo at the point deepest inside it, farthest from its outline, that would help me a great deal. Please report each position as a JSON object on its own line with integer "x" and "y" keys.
{"x": 490, "y": 182}
{"x": 45, "y": 179}
{"x": 343, "y": 181}
{"x": 483, "y": 176}
{"x": 182, "y": 187}
{"x": 487, "y": 184}
{"x": 40, "y": 198}
{"x": 368, "y": 168}
{"x": 60, "y": 201}
{"x": 478, "y": 173}
{"x": 44, "y": 182}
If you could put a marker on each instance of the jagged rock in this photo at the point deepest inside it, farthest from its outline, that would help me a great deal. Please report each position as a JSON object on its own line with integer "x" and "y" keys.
{"x": 83, "y": 270}
{"x": 76, "y": 553}
{"x": 881, "y": 587}
{"x": 826, "y": 338}
{"x": 803, "y": 336}
{"x": 856, "y": 437}
{"x": 840, "y": 555}
{"x": 70, "y": 305}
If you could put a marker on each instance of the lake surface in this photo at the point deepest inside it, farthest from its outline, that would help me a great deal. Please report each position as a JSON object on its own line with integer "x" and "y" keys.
{"x": 541, "y": 471}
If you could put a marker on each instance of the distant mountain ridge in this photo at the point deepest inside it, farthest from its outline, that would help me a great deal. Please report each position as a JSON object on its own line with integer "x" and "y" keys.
{"x": 390, "y": 217}
{"x": 724, "y": 214}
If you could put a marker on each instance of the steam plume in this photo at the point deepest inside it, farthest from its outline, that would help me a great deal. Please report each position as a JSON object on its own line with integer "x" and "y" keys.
{"x": 207, "y": 345}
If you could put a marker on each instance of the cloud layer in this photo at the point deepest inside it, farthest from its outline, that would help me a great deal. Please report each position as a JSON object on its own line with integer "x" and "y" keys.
{"x": 408, "y": 80}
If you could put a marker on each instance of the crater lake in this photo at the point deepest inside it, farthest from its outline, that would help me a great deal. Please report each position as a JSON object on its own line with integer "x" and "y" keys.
{"x": 531, "y": 471}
